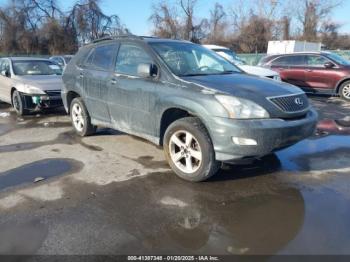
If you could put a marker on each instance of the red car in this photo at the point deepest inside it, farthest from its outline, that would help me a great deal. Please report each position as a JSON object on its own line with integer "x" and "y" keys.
{"x": 316, "y": 72}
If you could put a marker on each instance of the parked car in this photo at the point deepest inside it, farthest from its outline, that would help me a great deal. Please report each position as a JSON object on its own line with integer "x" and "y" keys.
{"x": 61, "y": 60}
{"x": 233, "y": 58}
{"x": 317, "y": 72}
{"x": 182, "y": 96}
{"x": 30, "y": 83}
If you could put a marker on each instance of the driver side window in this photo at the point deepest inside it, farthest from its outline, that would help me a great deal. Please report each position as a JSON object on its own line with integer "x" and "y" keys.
{"x": 316, "y": 61}
{"x": 129, "y": 58}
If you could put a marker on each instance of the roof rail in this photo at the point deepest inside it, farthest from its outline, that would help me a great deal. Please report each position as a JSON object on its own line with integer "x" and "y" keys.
{"x": 129, "y": 36}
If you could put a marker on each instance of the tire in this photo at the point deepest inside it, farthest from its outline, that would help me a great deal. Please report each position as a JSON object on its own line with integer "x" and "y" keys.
{"x": 80, "y": 118}
{"x": 192, "y": 160}
{"x": 18, "y": 103}
{"x": 344, "y": 91}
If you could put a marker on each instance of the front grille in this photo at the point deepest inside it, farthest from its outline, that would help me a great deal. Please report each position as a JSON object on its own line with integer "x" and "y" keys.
{"x": 291, "y": 104}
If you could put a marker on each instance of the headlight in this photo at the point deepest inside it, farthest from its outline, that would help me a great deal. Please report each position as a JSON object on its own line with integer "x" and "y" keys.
{"x": 33, "y": 90}
{"x": 241, "y": 108}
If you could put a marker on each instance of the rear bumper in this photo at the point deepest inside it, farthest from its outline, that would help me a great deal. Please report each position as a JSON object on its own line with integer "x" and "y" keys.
{"x": 269, "y": 134}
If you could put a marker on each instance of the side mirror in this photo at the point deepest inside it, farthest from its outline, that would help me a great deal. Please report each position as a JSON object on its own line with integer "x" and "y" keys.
{"x": 147, "y": 70}
{"x": 5, "y": 73}
{"x": 329, "y": 65}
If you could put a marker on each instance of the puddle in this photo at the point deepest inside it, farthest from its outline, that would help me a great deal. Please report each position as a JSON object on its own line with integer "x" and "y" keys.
{"x": 66, "y": 138}
{"x": 325, "y": 145}
{"x": 236, "y": 215}
{"x": 47, "y": 168}
{"x": 335, "y": 127}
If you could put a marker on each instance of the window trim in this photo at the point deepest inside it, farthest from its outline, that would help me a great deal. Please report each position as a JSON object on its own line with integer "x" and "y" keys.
{"x": 293, "y": 55}
{"x": 84, "y": 64}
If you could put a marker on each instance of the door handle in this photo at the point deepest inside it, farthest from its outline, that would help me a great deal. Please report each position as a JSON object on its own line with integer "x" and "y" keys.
{"x": 309, "y": 70}
{"x": 81, "y": 75}
{"x": 113, "y": 81}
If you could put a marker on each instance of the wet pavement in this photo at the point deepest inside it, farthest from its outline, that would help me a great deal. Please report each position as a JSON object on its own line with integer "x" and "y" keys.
{"x": 114, "y": 194}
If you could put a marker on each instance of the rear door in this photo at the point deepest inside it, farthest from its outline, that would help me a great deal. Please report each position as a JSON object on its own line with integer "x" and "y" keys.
{"x": 317, "y": 75}
{"x": 291, "y": 69}
{"x": 96, "y": 77}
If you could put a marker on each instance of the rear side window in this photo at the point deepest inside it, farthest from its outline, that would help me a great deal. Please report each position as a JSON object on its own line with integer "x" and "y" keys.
{"x": 298, "y": 60}
{"x": 129, "y": 58}
{"x": 101, "y": 57}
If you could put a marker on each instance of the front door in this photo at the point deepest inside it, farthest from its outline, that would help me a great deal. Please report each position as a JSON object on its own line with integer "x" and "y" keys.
{"x": 317, "y": 75}
{"x": 131, "y": 97}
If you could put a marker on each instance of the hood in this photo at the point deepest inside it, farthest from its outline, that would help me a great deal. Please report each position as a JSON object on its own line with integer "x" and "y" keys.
{"x": 244, "y": 85}
{"x": 44, "y": 82}
{"x": 257, "y": 70}
{"x": 253, "y": 88}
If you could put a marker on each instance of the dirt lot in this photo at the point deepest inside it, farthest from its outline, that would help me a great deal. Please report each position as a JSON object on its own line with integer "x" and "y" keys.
{"x": 114, "y": 194}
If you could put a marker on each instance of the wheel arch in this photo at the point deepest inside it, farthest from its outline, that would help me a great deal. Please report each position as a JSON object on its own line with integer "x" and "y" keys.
{"x": 13, "y": 89}
{"x": 340, "y": 82}
{"x": 69, "y": 98}
{"x": 179, "y": 108}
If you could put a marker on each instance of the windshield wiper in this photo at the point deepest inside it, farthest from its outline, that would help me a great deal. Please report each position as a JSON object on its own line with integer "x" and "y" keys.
{"x": 228, "y": 72}
{"x": 195, "y": 75}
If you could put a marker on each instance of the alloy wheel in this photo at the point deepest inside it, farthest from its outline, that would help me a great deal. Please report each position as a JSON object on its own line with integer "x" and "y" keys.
{"x": 185, "y": 151}
{"x": 346, "y": 91}
{"x": 77, "y": 117}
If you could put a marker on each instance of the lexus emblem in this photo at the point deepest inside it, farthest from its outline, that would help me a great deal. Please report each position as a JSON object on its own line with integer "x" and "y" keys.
{"x": 298, "y": 101}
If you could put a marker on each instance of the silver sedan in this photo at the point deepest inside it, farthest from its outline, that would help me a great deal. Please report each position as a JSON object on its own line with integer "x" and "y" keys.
{"x": 30, "y": 84}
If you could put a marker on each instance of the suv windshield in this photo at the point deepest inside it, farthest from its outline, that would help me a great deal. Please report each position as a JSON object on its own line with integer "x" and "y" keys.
{"x": 36, "y": 67}
{"x": 185, "y": 59}
{"x": 337, "y": 58}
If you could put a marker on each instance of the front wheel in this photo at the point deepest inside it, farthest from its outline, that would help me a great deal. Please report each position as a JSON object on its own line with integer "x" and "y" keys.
{"x": 18, "y": 103}
{"x": 344, "y": 91}
{"x": 189, "y": 150}
{"x": 80, "y": 118}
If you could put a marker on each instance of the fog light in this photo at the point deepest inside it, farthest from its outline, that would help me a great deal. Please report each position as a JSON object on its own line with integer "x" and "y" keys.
{"x": 241, "y": 141}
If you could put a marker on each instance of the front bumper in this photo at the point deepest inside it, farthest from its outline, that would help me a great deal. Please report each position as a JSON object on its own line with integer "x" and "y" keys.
{"x": 270, "y": 135}
{"x": 51, "y": 99}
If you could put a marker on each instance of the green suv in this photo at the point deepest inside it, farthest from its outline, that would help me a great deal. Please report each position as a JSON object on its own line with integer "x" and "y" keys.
{"x": 202, "y": 109}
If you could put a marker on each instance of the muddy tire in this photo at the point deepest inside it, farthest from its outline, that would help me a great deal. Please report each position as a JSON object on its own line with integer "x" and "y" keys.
{"x": 18, "y": 103}
{"x": 80, "y": 117}
{"x": 189, "y": 150}
{"x": 344, "y": 91}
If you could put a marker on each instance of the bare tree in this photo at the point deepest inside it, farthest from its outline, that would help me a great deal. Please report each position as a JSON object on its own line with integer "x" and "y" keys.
{"x": 217, "y": 24}
{"x": 311, "y": 14}
{"x": 164, "y": 19}
{"x": 91, "y": 23}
